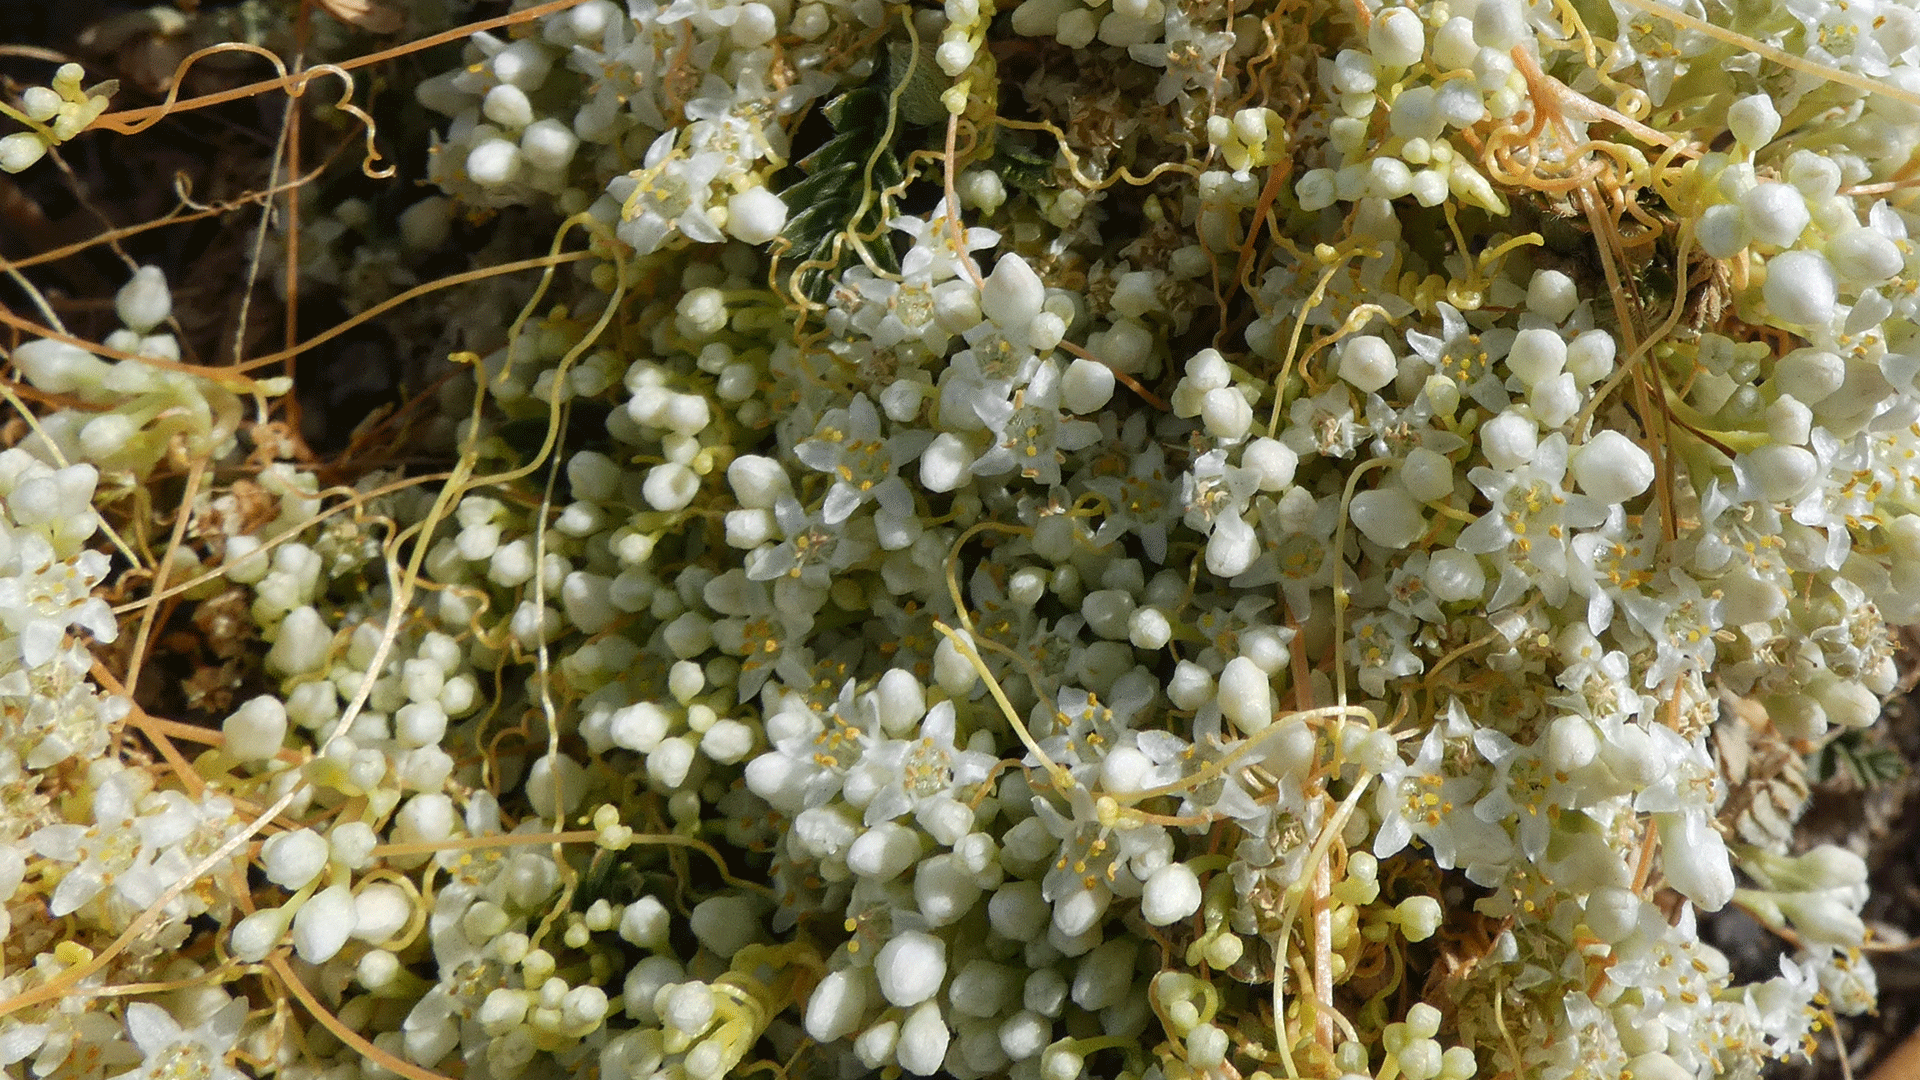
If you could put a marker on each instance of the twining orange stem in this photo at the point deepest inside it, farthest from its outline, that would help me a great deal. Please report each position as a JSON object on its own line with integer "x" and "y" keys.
{"x": 130, "y": 121}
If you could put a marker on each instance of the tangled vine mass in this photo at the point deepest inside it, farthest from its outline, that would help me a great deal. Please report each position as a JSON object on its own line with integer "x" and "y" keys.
{"x": 1151, "y": 539}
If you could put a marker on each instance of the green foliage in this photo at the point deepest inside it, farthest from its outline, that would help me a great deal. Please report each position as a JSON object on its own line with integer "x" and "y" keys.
{"x": 837, "y": 204}
{"x": 1857, "y": 761}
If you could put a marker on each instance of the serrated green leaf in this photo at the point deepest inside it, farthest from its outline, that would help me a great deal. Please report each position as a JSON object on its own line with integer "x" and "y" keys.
{"x": 858, "y": 159}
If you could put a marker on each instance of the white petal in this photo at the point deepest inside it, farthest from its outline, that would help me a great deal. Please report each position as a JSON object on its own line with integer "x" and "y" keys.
{"x": 153, "y": 1028}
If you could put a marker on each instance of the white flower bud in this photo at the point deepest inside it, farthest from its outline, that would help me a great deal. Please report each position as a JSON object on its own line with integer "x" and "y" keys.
{"x": 756, "y": 215}
{"x": 1536, "y": 355}
{"x": 1695, "y": 858}
{"x": 425, "y": 819}
{"x": 726, "y": 924}
{"x": 670, "y": 762}
{"x": 1509, "y": 440}
{"x": 1388, "y": 516}
{"x": 1397, "y": 38}
{"x": 1753, "y": 120}
{"x": 1500, "y": 24}
{"x": 946, "y": 464}
{"x": 1419, "y": 917}
{"x": 1271, "y": 461}
{"x": 758, "y": 482}
{"x": 1246, "y": 696}
{"x": 507, "y": 106}
{"x": 144, "y": 302}
{"x": 670, "y": 487}
{"x": 1847, "y": 703}
{"x": 884, "y": 852}
{"x": 1367, "y": 361}
{"x": 1571, "y": 743}
{"x": 1800, "y": 289}
{"x": 1171, "y": 894}
{"x": 1611, "y": 467}
{"x": 1207, "y": 1046}
{"x": 645, "y": 923}
{"x": 1024, "y": 1035}
{"x": 1079, "y": 912}
{"x": 1810, "y": 375}
{"x": 1613, "y": 913}
{"x": 1657, "y": 1066}
{"x": 1226, "y": 414}
{"x": 944, "y": 889}
{"x": 1013, "y": 294}
{"x": 549, "y": 145}
{"x": 727, "y": 741}
{"x": 1148, "y": 628}
{"x": 1233, "y": 546}
{"x": 524, "y": 63}
{"x": 1086, "y": 386}
{"x": 686, "y": 1007}
{"x": 20, "y": 150}
{"x": 1017, "y": 911}
{"x": 1551, "y": 295}
{"x": 1722, "y": 231}
{"x": 1453, "y": 575}
{"x": 301, "y": 644}
{"x": 839, "y": 1004}
{"x": 1427, "y": 475}
{"x": 256, "y": 730}
{"x": 1590, "y": 356}
{"x": 1105, "y": 975}
{"x": 291, "y": 859}
{"x": 493, "y": 163}
{"x": 1863, "y": 257}
{"x": 1191, "y": 686}
{"x": 380, "y": 910}
{"x": 911, "y": 967}
{"x": 256, "y": 935}
{"x": 1783, "y": 473}
{"x": 556, "y": 784}
{"x": 1061, "y": 1062}
{"x": 1316, "y": 190}
{"x": 1775, "y": 213}
{"x": 59, "y": 368}
{"x": 351, "y": 843}
{"x": 924, "y": 1039}
{"x": 322, "y": 924}
{"x": 982, "y": 989}
{"x": 951, "y": 668}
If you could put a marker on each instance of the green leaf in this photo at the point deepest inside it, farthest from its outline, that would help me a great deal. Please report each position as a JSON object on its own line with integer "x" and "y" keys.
{"x": 828, "y": 200}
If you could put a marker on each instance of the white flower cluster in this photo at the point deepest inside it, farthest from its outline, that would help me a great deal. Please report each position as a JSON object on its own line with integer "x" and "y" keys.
{"x": 901, "y": 671}
{"x": 53, "y": 114}
{"x": 695, "y": 91}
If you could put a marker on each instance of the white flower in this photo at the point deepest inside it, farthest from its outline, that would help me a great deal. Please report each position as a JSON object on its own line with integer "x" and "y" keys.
{"x": 668, "y": 193}
{"x": 848, "y": 446}
{"x": 171, "y": 1052}
{"x": 814, "y": 549}
{"x": 1681, "y": 620}
{"x": 1530, "y": 521}
{"x": 1189, "y": 56}
{"x": 1141, "y": 499}
{"x": 921, "y": 770}
{"x": 1030, "y": 433}
{"x": 933, "y": 252}
{"x": 45, "y": 595}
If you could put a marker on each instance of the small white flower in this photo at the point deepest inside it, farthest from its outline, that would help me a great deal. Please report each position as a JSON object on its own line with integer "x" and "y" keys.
{"x": 171, "y": 1052}
{"x": 668, "y": 193}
